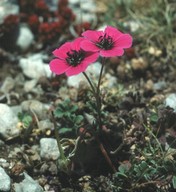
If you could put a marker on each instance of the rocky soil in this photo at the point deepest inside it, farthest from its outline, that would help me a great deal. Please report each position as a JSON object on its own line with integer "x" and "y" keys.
{"x": 138, "y": 92}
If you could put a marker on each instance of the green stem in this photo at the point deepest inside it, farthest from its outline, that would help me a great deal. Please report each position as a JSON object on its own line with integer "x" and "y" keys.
{"x": 96, "y": 93}
{"x": 90, "y": 83}
{"x": 100, "y": 76}
{"x": 98, "y": 98}
{"x": 62, "y": 156}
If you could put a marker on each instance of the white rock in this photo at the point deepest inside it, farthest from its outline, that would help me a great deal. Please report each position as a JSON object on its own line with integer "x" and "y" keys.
{"x": 74, "y": 1}
{"x": 45, "y": 124}
{"x": 134, "y": 25}
{"x": 7, "y": 8}
{"x": 27, "y": 185}
{"x": 16, "y": 109}
{"x": 4, "y": 181}
{"x": 86, "y": 17}
{"x": 25, "y": 38}
{"x": 74, "y": 81}
{"x": 49, "y": 149}
{"x": 170, "y": 101}
{"x": 7, "y": 85}
{"x": 8, "y": 122}
{"x": 160, "y": 85}
{"x": 2, "y": 143}
{"x": 88, "y": 5}
{"x": 92, "y": 71}
{"x": 29, "y": 85}
{"x": 87, "y": 12}
{"x": 110, "y": 81}
{"x": 4, "y": 163}
{"x": 34, "y": 67}
{"x": 52, "y": 4}
{"x": 85, "y": 5}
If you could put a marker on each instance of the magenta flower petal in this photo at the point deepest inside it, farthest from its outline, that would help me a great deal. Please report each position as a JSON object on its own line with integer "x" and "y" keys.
{"x": 92, "y": 35}
{"x": 124, "y": 41}
{"x": 75, "y": 45}
{"x": 107, "y": 43}
{"x": 112, "y": 32}
{"x": 71, "y": 58}
{"x": 91, "y": 57}
{"x": 58, "y": 66}
{"x": 89, "y": 46}
{"x": 61, "y": 52}
{"x": 76, "y": 70}
{"x": 112, "y": 52}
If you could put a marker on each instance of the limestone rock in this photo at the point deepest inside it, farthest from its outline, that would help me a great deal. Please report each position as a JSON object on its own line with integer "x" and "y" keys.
{"x": 27, "y": 185}
{"x": 4, "y": 181}
{"x": 8, "y": 122}
{"x": 49, "y": 149}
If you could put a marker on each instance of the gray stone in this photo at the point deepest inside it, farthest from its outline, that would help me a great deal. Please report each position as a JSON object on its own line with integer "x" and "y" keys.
{"x": 4, "y": 163}
{"x": 30, "y": 85}
{"x": 7, "y": 85}
{"x": 92, "y": 71}
{"x": 132, "y": 24}
{"x": 170, "y": 101}
{"x": 49, "y": 149}
{"x": 8, "y": 122}
{"x": 87, "y": 12}
{"x": 2, "y": 143}
{"x": 34, "y": 106}
{"x": 86, "y": 17}
{"x": 27, "y": 185}
{"x": 85, "y": 5}
{"x": 160, "y": 85}
{"x": 4, "y": 181}
{"x": 34, "y": 67}
{"x": 25, "y": 38}
{"x": 52, "y": 4}
{"x": 45, "y": 124}
{"x": 74, "y": 81}
{"x": 16, "y": 109}
{"x": 110, "y": 81}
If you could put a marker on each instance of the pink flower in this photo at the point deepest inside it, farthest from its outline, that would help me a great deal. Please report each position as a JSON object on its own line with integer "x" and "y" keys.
{"x": 108, "y": 43}
{"x": 71, "y": 59}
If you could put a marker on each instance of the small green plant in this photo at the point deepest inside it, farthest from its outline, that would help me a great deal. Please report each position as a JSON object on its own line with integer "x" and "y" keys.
{"x": 25, "y": 119}
{"x": 74, "y": 57}
{"x": 66, "y": 113}
{"x": 152, "y": 167}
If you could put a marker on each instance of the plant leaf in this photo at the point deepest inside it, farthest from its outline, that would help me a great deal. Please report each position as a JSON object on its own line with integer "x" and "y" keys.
{"x": 65, "y": 130}
{"x": 174, "y": 182}
{"x": 78, "y": 119}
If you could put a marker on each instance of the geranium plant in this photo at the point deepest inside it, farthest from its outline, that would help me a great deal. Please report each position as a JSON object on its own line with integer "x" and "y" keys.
{"x": 74, "y": 57}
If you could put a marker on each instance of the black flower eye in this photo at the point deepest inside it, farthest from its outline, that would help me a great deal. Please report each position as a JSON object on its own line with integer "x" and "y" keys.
{"x": 75, "y": 57}
{"x": 105, "y": 42}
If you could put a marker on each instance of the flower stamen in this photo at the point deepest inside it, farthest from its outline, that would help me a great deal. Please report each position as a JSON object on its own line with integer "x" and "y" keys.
{"x": 105, "y": 42}
{"x": 75, "y": 57}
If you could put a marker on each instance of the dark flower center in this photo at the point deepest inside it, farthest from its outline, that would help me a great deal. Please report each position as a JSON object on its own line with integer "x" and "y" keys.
{"x": 105, "y": 42}
{"x": 75, "y": 57}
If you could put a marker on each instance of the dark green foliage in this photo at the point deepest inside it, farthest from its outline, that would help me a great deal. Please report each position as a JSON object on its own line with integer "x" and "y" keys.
{"x": 25, "y": 119}
{"x": 152, "y": 167}
{"x": 68, "y": 117}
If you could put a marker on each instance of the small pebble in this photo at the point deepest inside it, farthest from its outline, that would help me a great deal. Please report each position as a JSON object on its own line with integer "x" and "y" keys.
{"x": 49, "y": 149}
{"x": 5, "y": 181}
